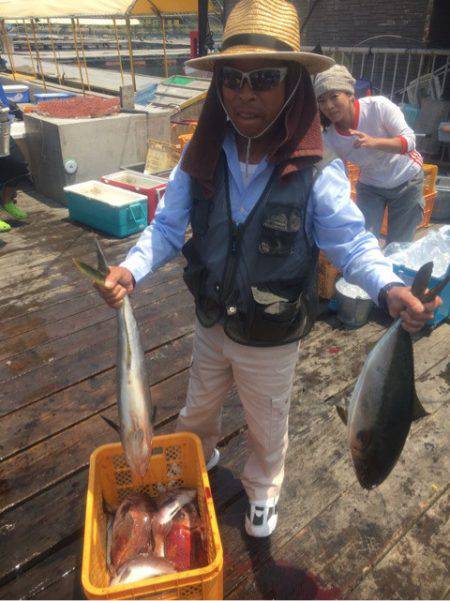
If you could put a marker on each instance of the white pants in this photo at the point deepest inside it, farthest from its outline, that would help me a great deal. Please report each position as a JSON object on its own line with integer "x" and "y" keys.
{"x": 263, "y": 377}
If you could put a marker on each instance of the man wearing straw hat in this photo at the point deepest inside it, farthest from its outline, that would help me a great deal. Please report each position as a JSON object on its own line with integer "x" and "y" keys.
{"x": 259, "y": 210}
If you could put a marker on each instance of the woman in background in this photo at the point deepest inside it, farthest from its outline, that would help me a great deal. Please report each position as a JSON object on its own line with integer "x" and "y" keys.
{"x": 372, "y": 133}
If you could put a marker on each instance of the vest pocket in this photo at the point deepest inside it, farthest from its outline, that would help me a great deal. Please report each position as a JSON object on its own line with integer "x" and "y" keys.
{"x": 277, "y": 313}
{"x": 280, "y": 227}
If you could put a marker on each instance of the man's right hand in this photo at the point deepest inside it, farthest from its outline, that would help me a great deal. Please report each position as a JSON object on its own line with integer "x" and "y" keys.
{"x": 118, "y": 284}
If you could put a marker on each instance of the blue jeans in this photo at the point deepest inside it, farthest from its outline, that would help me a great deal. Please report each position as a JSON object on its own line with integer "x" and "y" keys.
{"x": 405, "y": 208}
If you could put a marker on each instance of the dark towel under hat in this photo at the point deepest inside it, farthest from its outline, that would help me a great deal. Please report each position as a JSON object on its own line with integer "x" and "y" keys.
{"x": 295, "y": 141}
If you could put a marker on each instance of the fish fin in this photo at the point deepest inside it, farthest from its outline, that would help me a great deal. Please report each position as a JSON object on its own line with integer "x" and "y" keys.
{"x": 110, "y": 423}
{"x": 422, "y": 279}
{"x": 418, "y": 409}
{"x": 431, "y": 294}
{"x": 102, "y": 264}
{"x": 342, "y": 413}
{"x": 96, "y": 276}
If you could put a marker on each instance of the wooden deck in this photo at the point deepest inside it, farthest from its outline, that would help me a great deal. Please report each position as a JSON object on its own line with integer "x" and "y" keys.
{"x": 334, "y": 540}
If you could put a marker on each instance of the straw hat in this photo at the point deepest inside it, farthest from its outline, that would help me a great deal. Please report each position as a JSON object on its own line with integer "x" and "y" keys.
{"x": 268, "y": 28}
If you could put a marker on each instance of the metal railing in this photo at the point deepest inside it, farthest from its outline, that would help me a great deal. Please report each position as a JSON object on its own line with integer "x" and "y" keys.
{"x": 394, "y": 72}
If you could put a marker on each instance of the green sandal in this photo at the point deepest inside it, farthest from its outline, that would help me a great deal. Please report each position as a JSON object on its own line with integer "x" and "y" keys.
{"x": 14, "y": 211}
{"x": 4, "y": 227}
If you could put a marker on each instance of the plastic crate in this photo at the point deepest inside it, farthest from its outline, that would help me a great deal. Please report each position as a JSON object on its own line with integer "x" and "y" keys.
{"x": 327, "y": 275}
{"x": 177, "y": 460}
{"x": 17, "y": 93}
{"x": 442, "y": 312}
{"x": 429, "y": 182}
{"x": 46, "y": 96}
{"x": 429, "y": 200}
{"x": 183, "y": 139}
{"x": 107, "y": 208}
{"x": 152, "y": 186}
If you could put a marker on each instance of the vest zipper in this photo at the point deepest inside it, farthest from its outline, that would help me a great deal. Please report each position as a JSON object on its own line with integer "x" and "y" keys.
{"x": 236, "y": 233}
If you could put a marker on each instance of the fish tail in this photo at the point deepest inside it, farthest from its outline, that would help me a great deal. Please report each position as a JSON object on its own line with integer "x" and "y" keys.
{"x": 420, "y": 283}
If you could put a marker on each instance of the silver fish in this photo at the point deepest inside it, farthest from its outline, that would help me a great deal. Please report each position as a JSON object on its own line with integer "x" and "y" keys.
{"x": 384, "y": 402}
{"x": 133, "y": 390}
{"x": 141, "y": 568}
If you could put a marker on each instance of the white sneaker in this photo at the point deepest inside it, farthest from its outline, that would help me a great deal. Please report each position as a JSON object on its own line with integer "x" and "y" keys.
{"x": 213, "y": 460}
{"x": 262, "y": 517}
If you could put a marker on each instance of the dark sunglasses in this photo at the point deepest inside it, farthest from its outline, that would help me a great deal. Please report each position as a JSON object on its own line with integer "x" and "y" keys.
{"x": 259, "y": 80}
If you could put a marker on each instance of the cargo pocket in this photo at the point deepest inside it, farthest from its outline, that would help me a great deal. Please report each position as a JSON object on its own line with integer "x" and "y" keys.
{"x": 280, "y": 227}
{"x": 276, "y": 315}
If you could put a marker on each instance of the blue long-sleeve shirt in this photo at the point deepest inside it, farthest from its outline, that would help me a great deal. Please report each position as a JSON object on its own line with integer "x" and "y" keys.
{"x": 333, "y": 222}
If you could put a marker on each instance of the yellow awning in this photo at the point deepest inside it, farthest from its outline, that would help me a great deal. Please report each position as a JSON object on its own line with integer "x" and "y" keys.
{"x": 26, "y": 9}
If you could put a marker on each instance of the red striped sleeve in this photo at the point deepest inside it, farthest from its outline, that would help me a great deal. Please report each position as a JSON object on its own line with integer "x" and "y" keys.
{"x": 404, "y": 144}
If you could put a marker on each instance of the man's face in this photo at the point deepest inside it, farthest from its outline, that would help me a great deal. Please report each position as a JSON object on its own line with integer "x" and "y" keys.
{"x": 252, "y": 111}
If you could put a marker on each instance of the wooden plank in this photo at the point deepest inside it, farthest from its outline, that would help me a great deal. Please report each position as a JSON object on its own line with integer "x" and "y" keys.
{"x": 418, "y": 566}
{"x": 44, "y": 282}
{"x": 51, "y": 578}
{"x": 64, "y": 305}
{"x": 59, "y": 339}
{"x": 175, "y": 315}
{"x": 37, "y": 422}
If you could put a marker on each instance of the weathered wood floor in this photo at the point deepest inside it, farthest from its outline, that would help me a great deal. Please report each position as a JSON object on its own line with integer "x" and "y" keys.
{"x": 57, "y": 375}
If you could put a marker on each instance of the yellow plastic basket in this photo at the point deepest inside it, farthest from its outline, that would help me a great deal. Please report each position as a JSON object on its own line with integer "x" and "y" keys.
{"x": 177, "y": 460}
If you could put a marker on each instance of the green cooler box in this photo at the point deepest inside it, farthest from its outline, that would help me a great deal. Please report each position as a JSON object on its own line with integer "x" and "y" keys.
{"x": 107, "y": 208}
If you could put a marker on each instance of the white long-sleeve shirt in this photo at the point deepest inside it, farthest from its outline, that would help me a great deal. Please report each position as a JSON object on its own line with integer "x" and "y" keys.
{"x": 333, "y": 221}
{"x": 378, "y": 117}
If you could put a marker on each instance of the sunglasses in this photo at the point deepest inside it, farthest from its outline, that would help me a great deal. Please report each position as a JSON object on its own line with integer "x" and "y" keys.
{"x": 259, "y": 80}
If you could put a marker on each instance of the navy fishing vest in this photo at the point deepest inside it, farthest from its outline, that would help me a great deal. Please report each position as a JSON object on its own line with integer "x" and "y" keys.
{"x": 256, "y": 278}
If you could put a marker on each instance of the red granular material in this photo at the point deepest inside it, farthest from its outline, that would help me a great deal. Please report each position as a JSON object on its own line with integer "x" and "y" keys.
{"x": 81, "y": 106}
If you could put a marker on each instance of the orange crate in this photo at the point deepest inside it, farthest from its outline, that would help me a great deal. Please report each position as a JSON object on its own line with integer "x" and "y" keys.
{"x": 430, "y": 174}
{"x": 177, "y": 460}
{"x": 327, "y": 275}
{"x": 183, "y": 139}
{"x": 429, "y": 200}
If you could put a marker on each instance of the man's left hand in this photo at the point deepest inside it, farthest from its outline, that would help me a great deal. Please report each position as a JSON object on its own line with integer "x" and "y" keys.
{"x": 414, "y": 314}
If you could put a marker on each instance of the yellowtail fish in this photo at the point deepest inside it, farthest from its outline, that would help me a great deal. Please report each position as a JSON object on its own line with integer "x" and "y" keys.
{"x": 384, "y": 402}
{"x": 133, "y": 390}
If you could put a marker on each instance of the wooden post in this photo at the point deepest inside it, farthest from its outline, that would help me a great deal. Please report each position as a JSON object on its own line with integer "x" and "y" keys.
{"x": 75, "y": 42}
{"x": 130, "y": 52}
{"x": 118, "y": 50}
{"x": 38, "y": 56}
{"x": 202, "y": 26}
{"x": 58, "y": 72}
{"x": 163, "y": 29}
{"x": 29, "y": 47}
{"x": 84, "y": 56}
{"x": 8, "y": 49}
